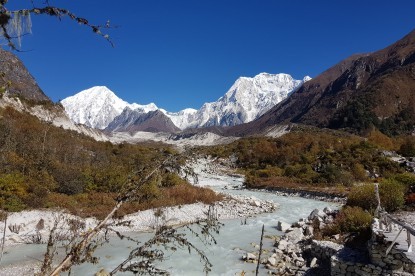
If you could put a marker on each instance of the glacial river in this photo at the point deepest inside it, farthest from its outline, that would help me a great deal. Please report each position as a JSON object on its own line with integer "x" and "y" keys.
{"x": 234, "y": 239}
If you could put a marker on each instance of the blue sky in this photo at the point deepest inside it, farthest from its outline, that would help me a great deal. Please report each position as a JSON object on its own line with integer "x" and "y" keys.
{"x": 181, "y": 54}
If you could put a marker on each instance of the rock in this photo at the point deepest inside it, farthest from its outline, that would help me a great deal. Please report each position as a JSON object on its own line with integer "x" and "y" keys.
{"x": 278, "y": 251}
{"x": 295, "y": 236}
{"x": 102, "y": 272}
{"x": 249, "y": 257}
{"x": 313, "y": 262}
{"x": 282, "y": 245}
{"x": 298, "y": 224}
{"x": 272, "y": 261}
{"x": 336, "y": 237}
{"x": 327, "y": 210}
{"x": 309, "y": 230}
{"x": 316, "y": 213}
{"x": 282, "y": 226}
{"x": 287, "y": 259}
{"x": 328, "y": 219}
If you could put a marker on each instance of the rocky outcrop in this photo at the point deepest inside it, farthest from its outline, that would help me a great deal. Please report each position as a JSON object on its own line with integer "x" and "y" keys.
{"x": 21, "y": 82}
{"x": 132, "y": 121}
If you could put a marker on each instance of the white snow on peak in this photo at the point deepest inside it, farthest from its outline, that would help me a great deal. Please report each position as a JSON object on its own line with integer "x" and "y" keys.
{"x": 183, "y": 118}
{"x": 306, "y": 78}
{"x": 98, "y": 106}
{"x": 246, "y": 100}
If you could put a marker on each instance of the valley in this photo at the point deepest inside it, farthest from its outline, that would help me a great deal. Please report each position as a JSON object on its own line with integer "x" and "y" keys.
{"x": 78, "y": 175}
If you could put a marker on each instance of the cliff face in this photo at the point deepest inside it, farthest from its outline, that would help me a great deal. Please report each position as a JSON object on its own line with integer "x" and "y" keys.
{"x": 22, "y": 83}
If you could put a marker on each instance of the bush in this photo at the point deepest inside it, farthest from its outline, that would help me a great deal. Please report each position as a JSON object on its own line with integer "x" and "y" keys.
{"x": 391, "y": 195}
{"x": 13, "y": 192}
{"x": 332, "y": 175}
{"x": 171, "y": 180}
{"x": 353, "y": 220}
{"x": 363, "y": 196}
{"x": 407, "y": 149}
{"x": 406, "y": 179}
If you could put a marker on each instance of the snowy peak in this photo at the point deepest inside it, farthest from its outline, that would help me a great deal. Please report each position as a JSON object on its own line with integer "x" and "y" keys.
{"x": 98, "y": 106}
{"x": 246, "y": 100}
{"x": 182, "y": 119}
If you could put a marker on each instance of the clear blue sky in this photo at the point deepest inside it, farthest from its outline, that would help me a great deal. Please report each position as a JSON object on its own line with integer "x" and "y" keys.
{"x": 181, "y": 54}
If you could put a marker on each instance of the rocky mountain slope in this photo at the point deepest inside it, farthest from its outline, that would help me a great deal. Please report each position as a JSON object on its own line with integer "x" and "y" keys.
{"x": 21, "y": 83}
{"x": 376, "y": 89}
{"x": 24, "y": 95}
{"x": 133, "y": 120}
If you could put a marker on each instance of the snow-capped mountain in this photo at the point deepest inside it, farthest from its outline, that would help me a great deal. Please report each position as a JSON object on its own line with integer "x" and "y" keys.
{"x": 98, "y": 106}
{"x": 245, "y": 101}
{"x": 182, "y": 119}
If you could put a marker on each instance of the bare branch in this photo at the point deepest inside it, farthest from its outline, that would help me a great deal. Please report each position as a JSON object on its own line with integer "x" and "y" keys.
{"x": 7, "y": 16}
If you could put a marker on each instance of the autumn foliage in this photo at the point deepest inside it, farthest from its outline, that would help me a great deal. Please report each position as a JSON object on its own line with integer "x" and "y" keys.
{"x": 44, "y": 166}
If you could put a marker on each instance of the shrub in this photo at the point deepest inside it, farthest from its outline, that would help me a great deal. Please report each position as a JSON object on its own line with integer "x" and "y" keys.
{"x": 13, "y": 192}
{"x": 391, "y": 195}
{"x": 406, "y": 179}
{"x": 353, "y": 220}
{"x": 171, "y": 180}
{"x": 407, "y": 149}
{"x": 363, "y": 196}
{"x": 359, "y": 172}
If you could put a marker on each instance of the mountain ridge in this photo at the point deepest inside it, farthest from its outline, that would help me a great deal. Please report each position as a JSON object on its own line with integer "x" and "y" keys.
{"x": 362, "y": 91}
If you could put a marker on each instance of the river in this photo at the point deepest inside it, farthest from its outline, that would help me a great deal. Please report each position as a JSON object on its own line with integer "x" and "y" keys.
{"x": 234, "y": 239}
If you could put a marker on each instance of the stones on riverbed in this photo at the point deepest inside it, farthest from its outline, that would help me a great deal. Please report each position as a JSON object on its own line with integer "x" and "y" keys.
{"x": 102, "y": 272}
{"x": 249, "y": 257}
{"x": 317, "y": 214}
{"x": 236, "y": 206}
{"x": 291, "y": 255}
{"x": 282, "y": 226}
{"x": 295, "y": 235}
{"x": 313, "y": 262}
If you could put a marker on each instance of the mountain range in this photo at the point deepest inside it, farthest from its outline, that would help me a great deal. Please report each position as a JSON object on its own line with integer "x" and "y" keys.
{"x": 365, "y": 91}
{"x": 246, "y": 100}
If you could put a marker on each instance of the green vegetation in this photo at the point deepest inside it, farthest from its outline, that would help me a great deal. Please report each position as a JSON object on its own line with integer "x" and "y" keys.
{"x": 311, "y": 158}
{"x": 350, "y": 220}
{"x": 44, "y": 166}
{"x": 352, "y": 224}
{"x": 392, "y": 196}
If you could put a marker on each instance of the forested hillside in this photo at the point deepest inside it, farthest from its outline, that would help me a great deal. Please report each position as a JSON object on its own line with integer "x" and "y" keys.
{"x": 44, "y": 166}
